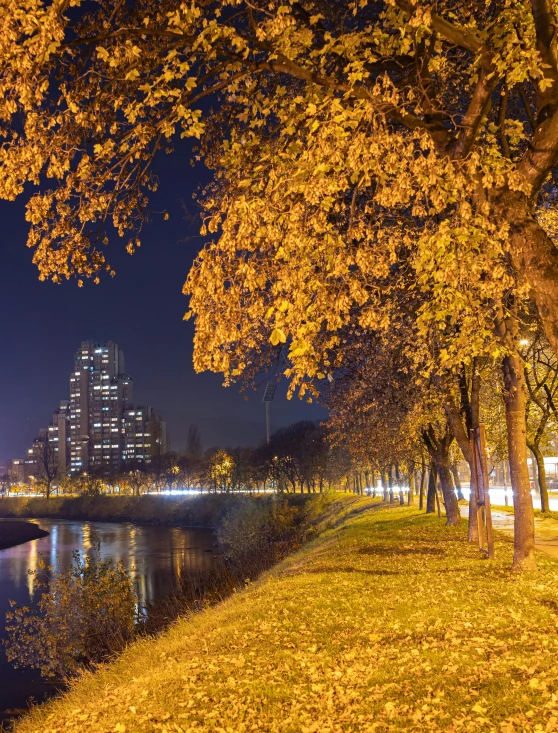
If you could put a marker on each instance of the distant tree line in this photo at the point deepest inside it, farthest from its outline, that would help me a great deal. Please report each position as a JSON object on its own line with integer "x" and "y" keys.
{"x": 298, "y": 458}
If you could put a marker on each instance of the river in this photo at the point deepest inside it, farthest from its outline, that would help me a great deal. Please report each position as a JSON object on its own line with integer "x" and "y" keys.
{"x": 157, "y": 555}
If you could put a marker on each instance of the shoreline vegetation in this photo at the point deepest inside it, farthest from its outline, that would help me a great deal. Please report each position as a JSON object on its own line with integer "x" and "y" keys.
{"x": 199, "y": 511}
{"x": 403, "y": 627}
{"x": 87, "y": 616}
{"x": 18, "y": 532}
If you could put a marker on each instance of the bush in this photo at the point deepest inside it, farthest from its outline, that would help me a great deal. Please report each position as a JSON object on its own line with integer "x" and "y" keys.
{"x": 86, "y": 615}
{"x": 256, "y": 527}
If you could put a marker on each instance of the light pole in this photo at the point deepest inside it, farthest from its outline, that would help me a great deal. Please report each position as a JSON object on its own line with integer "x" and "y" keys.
{"x": 269, "y": 394}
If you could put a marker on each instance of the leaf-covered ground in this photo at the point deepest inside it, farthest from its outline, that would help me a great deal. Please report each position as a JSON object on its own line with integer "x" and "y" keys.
{"x": 388, "y": 622}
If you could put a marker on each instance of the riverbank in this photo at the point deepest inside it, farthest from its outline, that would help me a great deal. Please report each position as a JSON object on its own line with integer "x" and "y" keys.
{"x": 202, "y": 510}
{"x": 388, "y": 621}
{"x": 17, "y": 532}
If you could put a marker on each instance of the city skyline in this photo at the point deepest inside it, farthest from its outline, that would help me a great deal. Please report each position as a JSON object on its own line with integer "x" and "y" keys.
{"x": 98, "y": 429}
{"x": 224, "y": 430}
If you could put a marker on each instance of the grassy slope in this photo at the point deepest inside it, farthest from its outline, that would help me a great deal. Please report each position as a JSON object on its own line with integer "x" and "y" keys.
{"x": 386, "y": 622}
{"x": 203, "y": 510}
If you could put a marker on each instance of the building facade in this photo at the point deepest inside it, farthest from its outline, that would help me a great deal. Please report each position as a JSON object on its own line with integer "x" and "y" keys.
{"x": 98, "y": 430}
{"x": 100, "y": 393}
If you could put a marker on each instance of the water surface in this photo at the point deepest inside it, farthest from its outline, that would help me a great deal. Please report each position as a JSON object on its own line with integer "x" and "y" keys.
{"x": 158, "y": 557}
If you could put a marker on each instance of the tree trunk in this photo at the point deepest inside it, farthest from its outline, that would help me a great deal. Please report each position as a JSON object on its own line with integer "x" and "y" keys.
{"x": 422, "y": 483}
{"x": 453, "y": 516}
{"x": 438, "y": 450}
{"x": 431, "y": 495}
{"x": 385, "y": 485}
{"x": 534, "y": 256}
{"x": 524, "y": 525}
{"x": 411, "y": 495}
{"x": 457, "y": 482}
{"x": 461, "y": 432}
{"x": 541, "y": 476}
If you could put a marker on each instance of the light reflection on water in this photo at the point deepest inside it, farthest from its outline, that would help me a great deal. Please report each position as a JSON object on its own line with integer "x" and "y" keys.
{"x": 158, "y": 557}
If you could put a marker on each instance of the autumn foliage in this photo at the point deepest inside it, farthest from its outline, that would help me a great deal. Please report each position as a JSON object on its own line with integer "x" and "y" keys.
{"x": 383, "y": 171}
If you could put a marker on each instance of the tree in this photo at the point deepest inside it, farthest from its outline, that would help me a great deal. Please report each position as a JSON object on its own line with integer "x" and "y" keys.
{"x": 193, "y": 443}
{"x": 382, "y": 410}
{"x": 191, "y": 460}
{"x": 541, "y": 379}
{"x": 190, "y": 470}
{"x": 242, "y": 475}
{"x": 47, "y": 467}
{"x": 515, "y": 404}
{"x": 438, "y": 443}
{"x": 221, "y": 470}
{"x": 136, "y": 477}
{"x": 463, "y": 416}
{"x": 170, "y": 469}
{"x": 90, "y": 483}
{"x": 460, "y": 102}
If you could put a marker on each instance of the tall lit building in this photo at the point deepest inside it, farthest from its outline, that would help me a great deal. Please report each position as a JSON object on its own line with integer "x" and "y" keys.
{"x": 98, "y": 430}
{"x": 100, "y": 392}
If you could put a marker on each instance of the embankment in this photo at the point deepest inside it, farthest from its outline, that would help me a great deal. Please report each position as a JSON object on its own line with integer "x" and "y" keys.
{"x": 387, "y": 621}
{"x": 203, "y": 510}
{"x": 17, "y": 532}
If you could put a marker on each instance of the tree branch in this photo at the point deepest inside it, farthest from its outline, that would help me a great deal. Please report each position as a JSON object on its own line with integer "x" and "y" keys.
{"x": 542, "y": 155}
{"x": 502, "y": 121}
{"x": 466, "y": 39}
{"x": 358, "y": 92}
{"x": 545, "y": 27}
{"x": 475, "y": 113}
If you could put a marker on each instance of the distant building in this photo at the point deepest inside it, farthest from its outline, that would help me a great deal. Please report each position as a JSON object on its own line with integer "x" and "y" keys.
{"x": 100, "y": 392}
{"x": 145, "y": 435}
{"x": 17, "y": 473}
{"x": 98, "y": 429}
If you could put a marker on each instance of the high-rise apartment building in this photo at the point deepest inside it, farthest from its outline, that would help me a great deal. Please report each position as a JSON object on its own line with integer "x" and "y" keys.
{"x": 100, "y": 392}
{"x": 98, "y": 429}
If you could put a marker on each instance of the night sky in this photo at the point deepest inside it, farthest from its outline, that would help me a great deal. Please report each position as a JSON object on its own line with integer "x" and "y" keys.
{"x": 141, "y": 309}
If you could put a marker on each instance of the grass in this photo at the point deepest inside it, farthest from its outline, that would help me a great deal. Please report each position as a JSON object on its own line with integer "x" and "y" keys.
{"x": 538, "y": 513}
{"x": 388, "y": 621}
{"x": 202, "y": 510}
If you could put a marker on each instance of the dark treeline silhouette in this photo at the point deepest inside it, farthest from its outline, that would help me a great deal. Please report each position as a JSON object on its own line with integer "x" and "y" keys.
{"x": 298, "y": 458}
